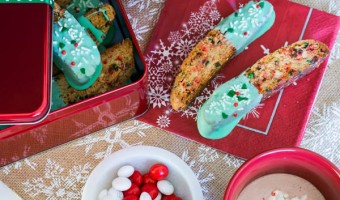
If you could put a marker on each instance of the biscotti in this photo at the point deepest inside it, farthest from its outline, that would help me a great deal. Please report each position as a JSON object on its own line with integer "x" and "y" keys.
{"x": 74, "y": 52}
{"x": 231, "y": 101}
{"x": 118, "y": 66}
{"x": 98, "y": 21}
{"x": 229, "y": 38}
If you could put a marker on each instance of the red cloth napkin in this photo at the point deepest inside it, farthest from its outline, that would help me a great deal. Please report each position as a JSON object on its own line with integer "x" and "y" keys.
{"x": 279, "y": 121}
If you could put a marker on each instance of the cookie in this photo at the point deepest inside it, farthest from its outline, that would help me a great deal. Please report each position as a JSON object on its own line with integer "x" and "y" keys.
{"x": 229, "y": 38}
{"x": 118, "y": 66}
{"x": 231, "y": 101}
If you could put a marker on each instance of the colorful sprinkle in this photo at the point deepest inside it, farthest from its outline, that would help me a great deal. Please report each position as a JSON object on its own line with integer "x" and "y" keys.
{"x": 225, "y": 116}
{"x": 245, "y": 33}
{"x": 235, "y": 114}
{"x": 231, "y": 93}
{"x": 73, "y": 63}
{"x": 237, "y": 93}
{"x": 262, "y": 4}
{"x": 61, "y": 45}
{"x": 82, "y": 70}
{"x": 250, "y": 75}
{"x": 230, "y": 30}
{"x": 75, "y": 44}
{"x": 244, "y": 86}
{"x": 235, "y": 104}
{"x": 63, "y": 52}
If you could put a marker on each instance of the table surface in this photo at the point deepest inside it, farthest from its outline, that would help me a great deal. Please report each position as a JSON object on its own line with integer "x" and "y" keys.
{"x": 61, "y": 172}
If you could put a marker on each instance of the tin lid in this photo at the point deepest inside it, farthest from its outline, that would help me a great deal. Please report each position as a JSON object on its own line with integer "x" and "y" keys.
{"x": 25, "y": 62}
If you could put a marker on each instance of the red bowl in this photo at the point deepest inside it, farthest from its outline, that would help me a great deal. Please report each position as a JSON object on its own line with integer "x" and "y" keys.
{"x": 300, "y": 162}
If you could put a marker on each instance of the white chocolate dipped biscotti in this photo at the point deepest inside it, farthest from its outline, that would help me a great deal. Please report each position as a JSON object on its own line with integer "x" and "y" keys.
{"x": 229, "y": 38}
{"x": 231, "y": 101}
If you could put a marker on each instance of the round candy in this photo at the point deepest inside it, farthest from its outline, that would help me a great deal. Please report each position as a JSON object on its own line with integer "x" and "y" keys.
{"x": 159, "y": 196}
{"x": 121, "y": 183}
{"x": 115, "y": 194}
{"x": 125, "y": 171}
{"x": 133, "y": 190}
{"x": 136, "y": 178}
{"x": 165, "y": 187}
{"x": 147, "y": 179}
{"x": 102, "y": 194}
{"x": 151, "y": 189}
{"x": 158, "y": 171}
{"x": 131, "y": 197}
{"x": 145, "y": 196}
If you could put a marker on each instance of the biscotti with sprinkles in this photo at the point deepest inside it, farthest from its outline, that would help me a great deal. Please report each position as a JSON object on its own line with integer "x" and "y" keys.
{"x": 228, "y": 39}
{"x": 231, "y": 101}
{"x": 281, "y": 68}
{"x": 118, "y": 66}
{"x": 98, "y": 21}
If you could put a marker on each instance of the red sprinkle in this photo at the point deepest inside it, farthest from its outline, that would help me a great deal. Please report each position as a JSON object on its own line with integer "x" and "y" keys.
{"x": 235, "y": 114}
{"x": 258, "y": 6}
{"x": 237, "y": 93}
{"x": 118, "y": 58}
{"x": 75, "y": 44}
{"x": 104, "y": 62}
{"x": 63, "y": 52}
{"x": 235, "y": 104}
{"x": 73, "y": 63}
{"x": 245, "y": 33}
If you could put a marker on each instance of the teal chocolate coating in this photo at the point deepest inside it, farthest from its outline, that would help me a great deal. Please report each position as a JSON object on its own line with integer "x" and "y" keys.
{"x": 56, "y": 100}
{"x": 229, "y": 103}
{"x": 98, "y": 34}
{"x": 79, "y": 7}
{"x": 247, "y": 24}
{"x": 75, "y": 53}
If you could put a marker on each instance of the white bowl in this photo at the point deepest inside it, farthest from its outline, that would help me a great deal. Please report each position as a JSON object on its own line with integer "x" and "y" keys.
{"x": 142, "y": 158}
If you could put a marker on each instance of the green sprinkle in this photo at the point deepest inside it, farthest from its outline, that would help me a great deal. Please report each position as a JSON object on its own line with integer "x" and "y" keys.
{"x": 230, "y": 30}
{"x": 262, "y": 4}
{"x": 188, "y": 84}
{"x": 250, "y": 75}
{"x": 306, "y": 45}
{"x": 231, "y": 93}
{"x": 73, "y": 41}
{"x": 267, "y": 90}
{"x": 309, "y": 61}
{"x": 244, "y": 86}
{"x": 82, "y": 70}
{"x": 239, "y": 98}
{"x": 61, "y": 45}
{"x": 206, "y": 63}
{"x": 64, "y": 29}
{"x": 291, "y": 72}
{"x": 225, "y": 116}
{"x": 236, "y": 14}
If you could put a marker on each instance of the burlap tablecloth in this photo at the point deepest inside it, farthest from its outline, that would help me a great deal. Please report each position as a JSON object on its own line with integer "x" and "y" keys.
{"x": 60, "y": 173}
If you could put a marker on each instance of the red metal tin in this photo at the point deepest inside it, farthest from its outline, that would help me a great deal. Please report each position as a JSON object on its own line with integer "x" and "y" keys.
{"x": 88, "y": 116}
{"x": 25, "y": 70}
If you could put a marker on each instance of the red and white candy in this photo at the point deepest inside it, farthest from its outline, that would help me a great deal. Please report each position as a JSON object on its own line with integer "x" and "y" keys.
{"x": 132, "y": 185}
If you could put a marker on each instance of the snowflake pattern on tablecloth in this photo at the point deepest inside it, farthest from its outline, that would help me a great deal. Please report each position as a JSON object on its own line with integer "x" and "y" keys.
{"x": 334, "y": 7}
{"x": 56, "y": 184}
{"x": 113, "y": 136}
{"x": 207, "y": 154}
{"x": 18, "y": 166}
{"x": 232, "y": 161}
{"x": 204, "y": 177}
{"x": 327, "y": 121}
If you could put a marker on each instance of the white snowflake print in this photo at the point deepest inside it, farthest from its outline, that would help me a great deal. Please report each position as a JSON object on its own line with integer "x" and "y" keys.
{"x": 114, "y": 136}
{"x": 165, "y": 52}
{"x": 174, "y": 37}
{"x": 207, "y": 154}
{"x": 56, "y": 184}
{"x": 18, "y": 166}
{"x": 204, "y": 177}
{"x": 184, "y": 46}
{"x": 158, "y": 96}
{"x": 334, "y": 7}
{"x": 163, "y": 121}
{"x": 266, "y": 51}
{"x": 142, "y": 4}
{"x": 232, "y": 161}
{"x": 254, "y": 112}
{"x": 138, "y": 30}
{"x": 326, "y": 121}
{"x": 166, "y": 67}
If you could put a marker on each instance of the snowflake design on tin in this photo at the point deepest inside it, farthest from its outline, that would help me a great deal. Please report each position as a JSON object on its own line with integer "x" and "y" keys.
{"x": 158, "y": 96}
{"x": 207, "y": 154}
{"x": 232, "y": 161}
{"x": 204, "y": 177}
{"x": 56, "y": 184}
{"x": 166, "y": 67}
{"x": 163, "y": 121}
{"x": 113, "y": 136}
{"x": 165, "y": 52}
{"x": 214, "y": 15}
{"x": 326, "y": 121}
